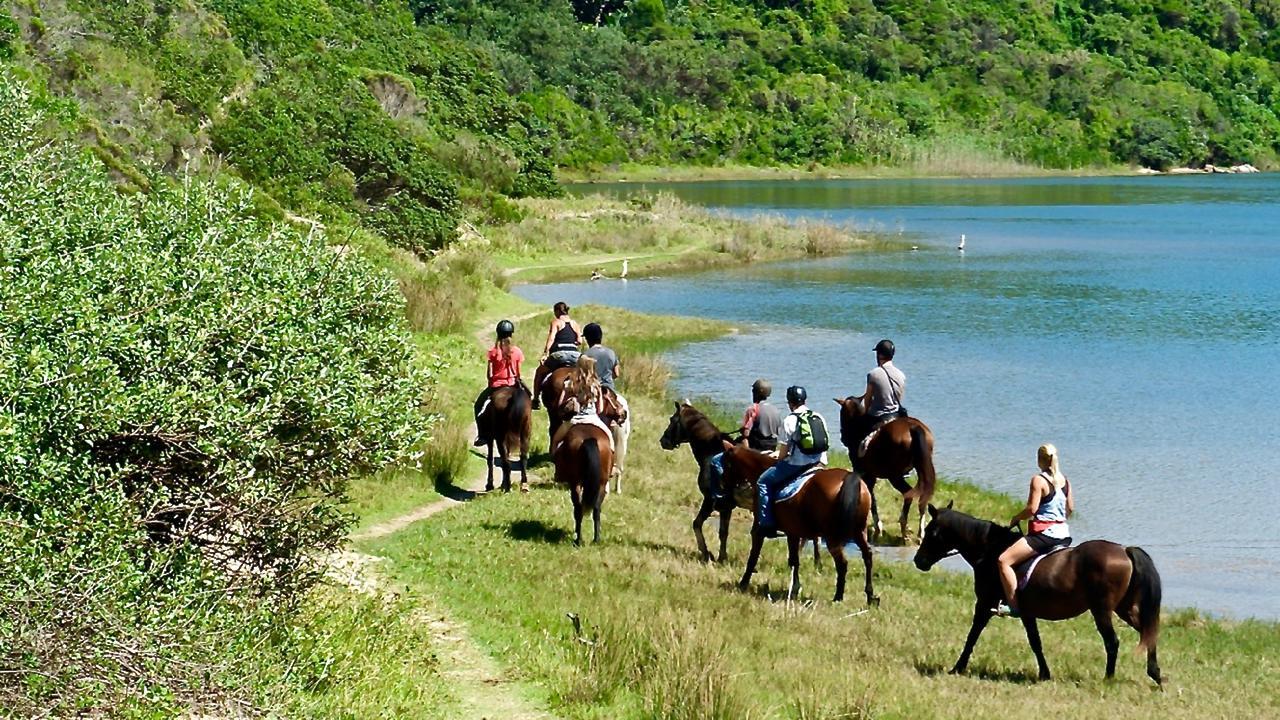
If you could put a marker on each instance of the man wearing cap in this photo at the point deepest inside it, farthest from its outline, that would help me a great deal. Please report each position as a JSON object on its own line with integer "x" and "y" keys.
{"x": 792, "y": 461}
{"x": 882, "y": 400}
{"x": 760, "y": 425}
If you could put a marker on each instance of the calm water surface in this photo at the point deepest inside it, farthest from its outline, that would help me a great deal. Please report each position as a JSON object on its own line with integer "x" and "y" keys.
{"x": 1134, "y": 322}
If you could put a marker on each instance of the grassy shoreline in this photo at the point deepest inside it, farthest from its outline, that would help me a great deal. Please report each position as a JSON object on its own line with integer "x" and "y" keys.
{"x": 502, "y": 564}
{"x": 639, "y": 173}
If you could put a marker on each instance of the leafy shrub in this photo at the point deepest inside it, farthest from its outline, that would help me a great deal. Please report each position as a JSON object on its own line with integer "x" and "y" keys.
{"x": 184, "y": 390}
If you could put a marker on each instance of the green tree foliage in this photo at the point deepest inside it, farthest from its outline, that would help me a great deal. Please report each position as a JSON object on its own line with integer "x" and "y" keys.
{"x": 184, "y": 392}
{"x": 1063, "y": 84}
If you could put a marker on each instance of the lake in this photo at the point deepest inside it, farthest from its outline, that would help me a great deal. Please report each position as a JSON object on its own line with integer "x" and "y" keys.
{"x": 1134, "y": 322}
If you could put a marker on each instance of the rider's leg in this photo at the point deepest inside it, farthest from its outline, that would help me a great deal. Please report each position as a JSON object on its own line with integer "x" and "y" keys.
{"x": 715, "y": 475}
{"x": 538, "y": 375}
{"x": 480, "y": 403}
{"x": 770, "y": 480}
{"x": 1015, "y": 554}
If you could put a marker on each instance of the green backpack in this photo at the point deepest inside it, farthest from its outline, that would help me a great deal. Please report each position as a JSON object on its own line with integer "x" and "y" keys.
{"x": 813, "y": 433}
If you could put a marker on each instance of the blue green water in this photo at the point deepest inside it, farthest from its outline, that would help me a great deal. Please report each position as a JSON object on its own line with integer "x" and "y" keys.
{"x": 1133, "y": 322}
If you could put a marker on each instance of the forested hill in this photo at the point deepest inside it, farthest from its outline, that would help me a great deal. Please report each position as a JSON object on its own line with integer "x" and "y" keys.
{"x": 405, "y": 118}
{"x": 1061, "y": 83}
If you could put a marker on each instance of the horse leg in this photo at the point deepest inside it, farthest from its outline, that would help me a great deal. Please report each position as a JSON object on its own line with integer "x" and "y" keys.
{"x": 488, "y": 484}
{"x": 757, "y": 540}
{"x": 575, "y": 493}
{"x": 793, "y": 561}
{"x": 704, "y": 512}
{"x": 877, "y": 527}
{"x": 817, "y": 554}
{"x": 1130, "y": 616}
{"x": 595, "y": 511}
{"x": 865, "y": 547}
{"x": 1102, "y": 620}
{"x": 842, "y": 567}
{"x": 981, "y": 616}
{"x": 1033, "y": 638}
{"x": 506, "y": 466}
{"x": 724, "y": 534}
{"x": 902, "y": 521}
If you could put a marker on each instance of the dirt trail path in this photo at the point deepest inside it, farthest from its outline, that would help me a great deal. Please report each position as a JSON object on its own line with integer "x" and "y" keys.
{"x": 479, "y": 682}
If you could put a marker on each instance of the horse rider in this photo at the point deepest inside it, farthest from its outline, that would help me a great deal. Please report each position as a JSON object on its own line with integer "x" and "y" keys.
{"x": 760, "y": 425}
{"x": 607, "y": 368}
{"x": 1050, "y": 502}
{"x": 882, "y": 400}
{"x": 584, "y": 396}
{"x": 561, "y": 349}
{"x": 504, "y": 370}
{"x": 793, "y": 460}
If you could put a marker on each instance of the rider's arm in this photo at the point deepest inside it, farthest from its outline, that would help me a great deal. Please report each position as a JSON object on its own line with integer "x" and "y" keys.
{"x": 491, "y": 370}
{"x": 1033, "y": 502}
{"x": 1071, "y": 497}
{"x": 617, "y": 370}
{"x": 749, "y": 418}
{"x": 866, "y": 397}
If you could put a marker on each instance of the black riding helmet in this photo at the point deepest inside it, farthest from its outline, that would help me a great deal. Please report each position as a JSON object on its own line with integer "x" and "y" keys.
{"x": 506, "y": 329}
{"x": 796, "y": 394}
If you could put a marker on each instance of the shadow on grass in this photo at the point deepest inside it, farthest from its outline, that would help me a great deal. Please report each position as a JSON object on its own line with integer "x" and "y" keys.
{"x": 1021, "y": 677}
{"x": 444, "y": 484}
{"x": 534, "y": 531}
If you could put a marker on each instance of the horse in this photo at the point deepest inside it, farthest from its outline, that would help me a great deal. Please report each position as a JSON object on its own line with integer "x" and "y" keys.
{"x": 621, "y": 429}
{"x": 583, "y": 461}
{"x": 507, "y": 422}
{"x": 689, "y": 425}
{"x": 832, "y": 505}
{"x": 550, "y": 391}
{"x": 902, "y": 444}
{"x": 1098, "y": 576}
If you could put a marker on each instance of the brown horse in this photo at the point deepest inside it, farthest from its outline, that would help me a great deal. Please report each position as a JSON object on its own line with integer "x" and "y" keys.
{"x": 832, "y": 505}
{"x": 689, "y": 425}
{"x": 583, "y": 461}
{"x": 507, "y": 422}
{"x": 550, "y": 391}
{"x": 1096, "y": 576}
{"x": 902, "y": 444}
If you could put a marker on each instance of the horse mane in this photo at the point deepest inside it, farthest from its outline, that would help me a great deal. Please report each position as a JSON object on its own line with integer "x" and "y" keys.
{"x": 976, "y": 532}
{"x": 700, "y": 427}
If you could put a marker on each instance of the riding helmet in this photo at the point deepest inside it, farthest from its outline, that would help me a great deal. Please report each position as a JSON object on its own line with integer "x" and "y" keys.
{"x": 796, "y": 394}
{"x": 506, "y": 329}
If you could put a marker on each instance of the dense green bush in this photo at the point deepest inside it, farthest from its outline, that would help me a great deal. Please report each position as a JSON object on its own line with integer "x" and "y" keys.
{"x": 184, "y": 392}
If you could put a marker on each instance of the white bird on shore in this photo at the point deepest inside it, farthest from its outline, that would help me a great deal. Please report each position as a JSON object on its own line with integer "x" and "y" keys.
{"x": 623, "y": 274}
{"x": 960, "y": 247}
{"x": 915, "y": 248}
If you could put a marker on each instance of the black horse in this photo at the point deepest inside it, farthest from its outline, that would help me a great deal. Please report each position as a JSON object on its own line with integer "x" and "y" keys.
{"x": 1098, "y": 576}
{"x": 689, "y": 425}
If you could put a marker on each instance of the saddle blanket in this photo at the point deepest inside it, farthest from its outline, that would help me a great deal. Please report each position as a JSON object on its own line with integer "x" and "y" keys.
{"x": 792, "y": 488}
{"x": 1024, "y": 569}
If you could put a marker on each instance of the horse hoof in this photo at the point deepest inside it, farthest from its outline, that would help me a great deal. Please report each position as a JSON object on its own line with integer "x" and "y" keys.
{"x": 524, "y": 487}
{"x": 873, "y": 601}
{"x": 488, "y": 487}
{"x": 744, "y": 586}
{"x": 957, "y": 670}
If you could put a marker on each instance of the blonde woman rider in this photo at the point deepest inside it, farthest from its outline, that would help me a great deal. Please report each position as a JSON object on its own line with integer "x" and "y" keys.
{"x": 1049, "y": 503}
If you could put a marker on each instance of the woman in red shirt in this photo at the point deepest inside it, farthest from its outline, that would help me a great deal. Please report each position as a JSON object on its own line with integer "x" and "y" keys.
{"x": 504, "y": 370}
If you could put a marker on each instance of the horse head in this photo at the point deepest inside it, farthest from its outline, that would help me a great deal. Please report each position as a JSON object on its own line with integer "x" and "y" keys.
{"x": 612, "y": 407}
{"x": 939, "y": 540}
{"x": 676, "y": 433}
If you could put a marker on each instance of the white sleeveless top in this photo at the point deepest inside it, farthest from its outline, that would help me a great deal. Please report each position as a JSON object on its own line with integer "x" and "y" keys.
{"x": 1053, "y": 509}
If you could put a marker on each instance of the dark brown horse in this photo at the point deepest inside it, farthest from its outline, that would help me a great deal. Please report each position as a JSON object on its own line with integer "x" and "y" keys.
{"x": 903, "y": 444}
{"x": 583, "y": 461}
{"x": 833, "y": 505}
{"x": 507, "y": 422}
{"x": 551, "y": 391}
{"x": 1096, "y": 576}
{"x": 689, "y": 425}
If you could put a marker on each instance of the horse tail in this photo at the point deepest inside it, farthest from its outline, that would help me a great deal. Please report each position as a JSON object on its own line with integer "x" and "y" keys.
{"x": 922, "y": 459}
{"x": 1145, "y": 583}
{"x": 591, "y": 466}
{"x": 847, "y": 506}
{"x": 520, "y": 404}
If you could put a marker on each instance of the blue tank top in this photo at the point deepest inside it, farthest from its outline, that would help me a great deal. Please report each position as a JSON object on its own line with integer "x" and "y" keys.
{"x": 1053, "y": 509}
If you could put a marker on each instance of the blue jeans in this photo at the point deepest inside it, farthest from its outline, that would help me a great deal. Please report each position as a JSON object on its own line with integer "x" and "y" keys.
{"x": 715, "y": 476}
{"x": 772, "y": 480}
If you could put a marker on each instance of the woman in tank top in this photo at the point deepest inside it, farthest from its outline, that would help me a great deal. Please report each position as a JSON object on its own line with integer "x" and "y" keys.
{"x": 561, "y": 349}
{"x": 1049, "y": 503}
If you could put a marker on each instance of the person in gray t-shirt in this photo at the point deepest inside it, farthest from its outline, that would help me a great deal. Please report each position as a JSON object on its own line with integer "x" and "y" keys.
{"x": 606, "y": 360}
{"x": 886, "y": 385}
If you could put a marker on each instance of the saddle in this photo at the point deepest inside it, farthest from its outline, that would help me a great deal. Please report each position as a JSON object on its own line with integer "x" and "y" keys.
{"x": 587, "y": 419}
{"x": 875, "y": 430}
{"x": 1025, "y": 568}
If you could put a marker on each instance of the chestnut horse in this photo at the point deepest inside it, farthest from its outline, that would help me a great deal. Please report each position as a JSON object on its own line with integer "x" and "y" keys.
{"x": 583, "y": 460}
{"x": 832, "y": 505}
{"x": 689, "y": 425}
{"x": 550, "y": 392}
{"x": 902, "y": 444}
{"x": 1098, "y": 576}
{"x": 508, "y": 421}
